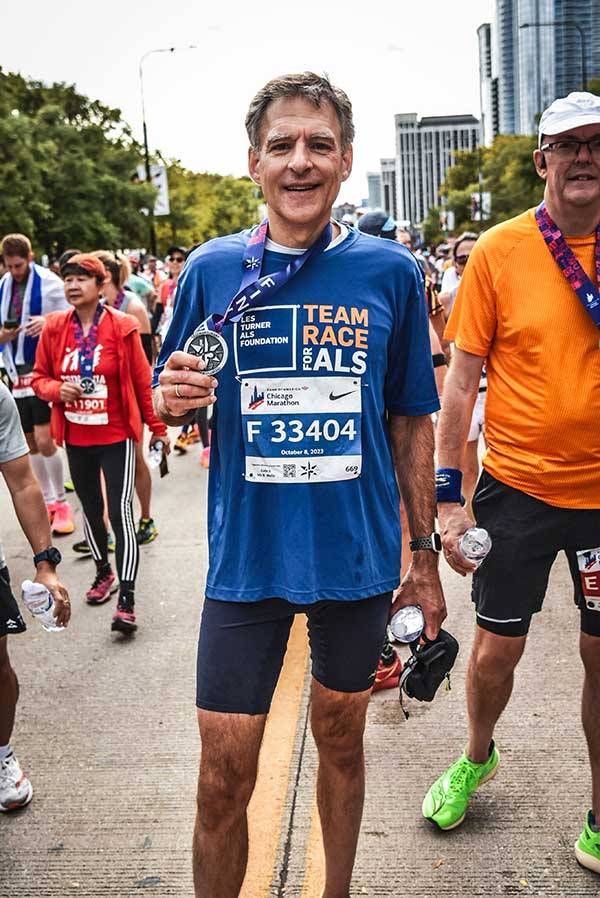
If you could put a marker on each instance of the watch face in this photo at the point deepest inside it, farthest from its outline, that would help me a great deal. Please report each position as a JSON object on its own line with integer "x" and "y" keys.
{"x": 437, "y": 542}
{"x": 54, "y": 556}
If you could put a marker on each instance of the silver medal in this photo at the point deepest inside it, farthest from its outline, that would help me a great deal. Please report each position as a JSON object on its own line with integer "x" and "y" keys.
{"x": 211, "y": 347}
{"x": 87, "y": 385}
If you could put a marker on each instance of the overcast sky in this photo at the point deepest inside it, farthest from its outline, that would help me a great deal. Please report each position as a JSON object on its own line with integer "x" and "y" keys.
{"x": 395, "y": 57}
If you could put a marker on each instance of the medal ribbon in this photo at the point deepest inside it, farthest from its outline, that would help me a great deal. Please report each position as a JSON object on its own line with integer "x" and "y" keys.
{"x": 255, "y": 291}
{"x": 87, "y": 344}
{"x": 568, "y": 263}
{"x": 119, "y": 300}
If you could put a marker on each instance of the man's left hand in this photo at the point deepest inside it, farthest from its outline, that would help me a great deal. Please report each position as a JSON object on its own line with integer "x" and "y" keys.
{"x": 35, "y": 325}
{"x": 62, "y": 603}
{"x": 421, "y": 586}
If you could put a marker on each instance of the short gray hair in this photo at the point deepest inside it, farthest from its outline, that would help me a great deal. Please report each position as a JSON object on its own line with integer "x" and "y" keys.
{"x": 312, "y": 87}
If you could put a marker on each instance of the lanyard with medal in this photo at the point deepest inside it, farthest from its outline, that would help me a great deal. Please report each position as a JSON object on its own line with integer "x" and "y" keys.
{"x": 86, "y": 346}
{"x": 207, "y": 340}
{"x": 569, "y": 264}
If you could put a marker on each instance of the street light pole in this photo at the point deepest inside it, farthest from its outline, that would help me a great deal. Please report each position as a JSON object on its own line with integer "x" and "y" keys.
{"x": 567, "y": 23}
{"x": 145, "y": 131}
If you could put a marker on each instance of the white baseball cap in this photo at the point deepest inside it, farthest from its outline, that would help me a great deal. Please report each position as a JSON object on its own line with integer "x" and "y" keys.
{"x": 579, "y": 108}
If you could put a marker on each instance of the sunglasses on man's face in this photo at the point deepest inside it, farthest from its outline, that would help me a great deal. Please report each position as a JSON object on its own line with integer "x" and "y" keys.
{"x": 462, "y": 260}
{"x": 177, "y": 259}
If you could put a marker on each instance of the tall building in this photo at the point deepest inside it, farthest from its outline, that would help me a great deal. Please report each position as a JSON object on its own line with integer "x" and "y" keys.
{"x": 388, "y": 186}
{"x": 546, "y": 59}
{"x": 425, "y": 150}
{"x": 488, "y": 87}
{"x": 374, "y": 188}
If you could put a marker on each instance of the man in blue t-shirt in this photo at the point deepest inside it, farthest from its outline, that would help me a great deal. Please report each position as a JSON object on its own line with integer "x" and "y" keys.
{"x": 323, "y": 402}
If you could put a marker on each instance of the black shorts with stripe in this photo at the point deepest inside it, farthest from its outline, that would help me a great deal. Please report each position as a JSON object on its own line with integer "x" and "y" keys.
{"x": 10, "y": 616}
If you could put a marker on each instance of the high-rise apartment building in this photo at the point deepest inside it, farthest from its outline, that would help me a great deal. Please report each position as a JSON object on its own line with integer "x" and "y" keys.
{"x": 388, "y": 186}
{"x": 533, "y": 65}
{"x": 374, "y": 188}
{"x": 488, "y": 86}
{"x": 425, "y": 150}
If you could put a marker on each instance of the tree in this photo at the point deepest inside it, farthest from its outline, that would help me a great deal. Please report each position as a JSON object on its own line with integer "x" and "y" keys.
{"x": 204, "y": 206}
{"x": 508, "y": 175}
{"x": 66, "y": 169}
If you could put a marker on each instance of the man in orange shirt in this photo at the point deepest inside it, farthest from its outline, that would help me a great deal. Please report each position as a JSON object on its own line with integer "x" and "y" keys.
{"x": 529, "y": 306}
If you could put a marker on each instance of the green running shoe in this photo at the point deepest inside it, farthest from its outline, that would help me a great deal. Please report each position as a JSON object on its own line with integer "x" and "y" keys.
{"x": 447, "y": 801}
{"x": 587, "y": 846}
{"x": 110, "y": 542}
{"x": 146, "y": 531}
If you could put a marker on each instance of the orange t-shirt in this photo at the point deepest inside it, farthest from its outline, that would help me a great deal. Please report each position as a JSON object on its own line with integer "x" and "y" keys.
{"x": 515, "y": 307}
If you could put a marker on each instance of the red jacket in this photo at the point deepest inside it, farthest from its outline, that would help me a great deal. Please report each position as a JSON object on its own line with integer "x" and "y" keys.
{"x": 134, "y": 372}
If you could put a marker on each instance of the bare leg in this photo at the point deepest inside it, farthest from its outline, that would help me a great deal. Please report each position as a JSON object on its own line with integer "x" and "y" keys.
{"x": 589, "y": 647}
{"x": 143, "y": 481}
{"x": 338, "y": 723}
{"x": 228, "y": 767}
{"x": 9, "y": 693}
{"x": 489, "y": 686}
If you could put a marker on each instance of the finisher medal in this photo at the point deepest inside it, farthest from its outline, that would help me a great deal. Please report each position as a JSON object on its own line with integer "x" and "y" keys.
{"x": 211, "y": 347}
{"x": 87, "y": 385}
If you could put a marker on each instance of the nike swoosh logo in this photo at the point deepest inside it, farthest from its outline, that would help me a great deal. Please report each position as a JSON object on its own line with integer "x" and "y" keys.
{"x": 333, "y": 397}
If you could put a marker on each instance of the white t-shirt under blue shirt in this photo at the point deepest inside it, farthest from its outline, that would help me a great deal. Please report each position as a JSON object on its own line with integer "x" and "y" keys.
{"x": 303, "y": 500}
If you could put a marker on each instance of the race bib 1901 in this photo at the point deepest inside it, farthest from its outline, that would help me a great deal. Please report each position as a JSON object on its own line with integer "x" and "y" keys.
{"x": 90, "y": 409}
{"x": 301, "y": 430}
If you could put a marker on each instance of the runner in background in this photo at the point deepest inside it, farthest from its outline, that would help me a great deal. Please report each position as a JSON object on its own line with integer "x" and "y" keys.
{"x": 28, "y": 292}
{"x": 118, "y": 297}
{"x": 92, "y": 367}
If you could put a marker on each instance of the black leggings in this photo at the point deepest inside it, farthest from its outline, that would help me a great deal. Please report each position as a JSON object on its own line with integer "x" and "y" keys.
{"x": 117, "y": 461}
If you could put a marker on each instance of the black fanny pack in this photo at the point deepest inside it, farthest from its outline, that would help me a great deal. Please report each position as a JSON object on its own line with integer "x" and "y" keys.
{"x": 428, "y": 666}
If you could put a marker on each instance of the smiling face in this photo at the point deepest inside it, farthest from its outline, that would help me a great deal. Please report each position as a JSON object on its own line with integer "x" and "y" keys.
{"x": 300, "y": 167}
{"x": 573, "y": 182}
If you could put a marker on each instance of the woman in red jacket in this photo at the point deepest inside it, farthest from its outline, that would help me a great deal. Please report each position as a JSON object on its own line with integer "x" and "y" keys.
{"x": 91, "y": 366}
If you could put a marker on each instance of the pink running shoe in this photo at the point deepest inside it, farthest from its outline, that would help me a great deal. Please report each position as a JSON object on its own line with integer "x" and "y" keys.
{"x": 103, "y": 587}
{"x": 62, "y": 522}
{"x": 123, "y": 620}
{"x": 205, "y": 457}
{"x": 51, "y": 506}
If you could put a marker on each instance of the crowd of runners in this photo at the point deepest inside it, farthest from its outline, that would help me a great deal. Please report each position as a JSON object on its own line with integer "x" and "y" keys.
{"x": 315, "y": 412}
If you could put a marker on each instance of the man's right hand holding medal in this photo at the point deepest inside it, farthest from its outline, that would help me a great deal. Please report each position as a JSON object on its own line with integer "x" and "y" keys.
{"x": 183, "y": 387}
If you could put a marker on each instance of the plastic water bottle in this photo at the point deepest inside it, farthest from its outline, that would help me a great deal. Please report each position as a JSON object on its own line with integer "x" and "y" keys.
{"x": 475, "y": 543}
{"x": 40, "y": 603}
{"x": 155, "y": 456}
{"x": 407, "y": 624}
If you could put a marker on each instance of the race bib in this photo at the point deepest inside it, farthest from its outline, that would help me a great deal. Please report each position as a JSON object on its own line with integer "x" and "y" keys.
{"x": 91, "y": 409}
{"x": 23, "y": 387}
{"x": 588, "y": 562}
{"x": 301, "y": 430}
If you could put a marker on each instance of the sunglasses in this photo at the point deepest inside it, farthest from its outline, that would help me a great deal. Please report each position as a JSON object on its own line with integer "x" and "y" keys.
{"x": 176, "y": 259}
{"x": 462, "y": 260}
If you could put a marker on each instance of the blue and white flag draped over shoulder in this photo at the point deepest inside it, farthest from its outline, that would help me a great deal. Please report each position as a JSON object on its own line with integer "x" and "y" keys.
{"x": 255, "y": 291}
{"x": 32, "y": 305}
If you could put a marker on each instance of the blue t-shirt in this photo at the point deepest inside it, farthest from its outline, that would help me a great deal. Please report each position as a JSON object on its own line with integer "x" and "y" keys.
{"x": 303, "y": 502}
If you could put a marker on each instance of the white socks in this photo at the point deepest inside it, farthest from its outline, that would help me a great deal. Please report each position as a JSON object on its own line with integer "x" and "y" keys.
{"x": 40, "y": 471}
{"x": 55, "y": 469}
{"x": 49, "y": 471}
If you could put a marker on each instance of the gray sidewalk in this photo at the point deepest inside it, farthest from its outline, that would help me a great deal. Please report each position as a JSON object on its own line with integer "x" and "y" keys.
{"x": 106, "y": 728}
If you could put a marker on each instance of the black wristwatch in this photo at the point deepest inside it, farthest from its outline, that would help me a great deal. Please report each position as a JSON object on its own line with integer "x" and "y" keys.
{"x": 433, "y": 543}
{"x": 51, "y": 555}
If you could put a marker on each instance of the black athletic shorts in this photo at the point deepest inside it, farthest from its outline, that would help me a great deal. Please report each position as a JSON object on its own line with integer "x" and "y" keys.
{"x": 527, "y": 534}
{"x": 33, "y": 412}
{"x": 242, "y": 645}
{"x": 10, "y": 617}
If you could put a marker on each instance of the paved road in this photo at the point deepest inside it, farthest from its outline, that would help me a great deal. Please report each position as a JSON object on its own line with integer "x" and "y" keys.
{"x": 106, "y": 728}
